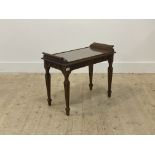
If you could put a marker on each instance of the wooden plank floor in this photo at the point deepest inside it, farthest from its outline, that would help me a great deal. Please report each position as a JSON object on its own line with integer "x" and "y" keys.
{"x": 130, "y": 110}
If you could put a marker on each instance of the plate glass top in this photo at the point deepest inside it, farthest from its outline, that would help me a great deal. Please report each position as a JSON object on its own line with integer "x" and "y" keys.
{"x": 78, "y": 54}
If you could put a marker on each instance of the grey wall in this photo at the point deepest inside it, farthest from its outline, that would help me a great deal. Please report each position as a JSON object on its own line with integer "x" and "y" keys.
{"x": 22, "y": 41}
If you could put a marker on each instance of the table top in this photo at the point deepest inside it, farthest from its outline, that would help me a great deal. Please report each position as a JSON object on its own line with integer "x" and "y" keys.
{"x": 78, "y": 54}
{"x": 94, "y": 50}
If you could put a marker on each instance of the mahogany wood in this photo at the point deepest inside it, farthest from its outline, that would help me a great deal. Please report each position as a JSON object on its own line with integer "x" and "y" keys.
{"x": 110, "y": 72}
{"x": 52, "y": 60}
{"x": 67, "y": 90}
{"x": 90, "y": 76}
{"x": 48, "y": 82}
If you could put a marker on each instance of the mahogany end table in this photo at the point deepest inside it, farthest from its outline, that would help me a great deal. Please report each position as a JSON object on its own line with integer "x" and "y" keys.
{"x": 74, "y": 59}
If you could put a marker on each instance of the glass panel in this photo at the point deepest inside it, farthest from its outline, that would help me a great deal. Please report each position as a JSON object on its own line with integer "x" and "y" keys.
{"x": 78, "y": 54}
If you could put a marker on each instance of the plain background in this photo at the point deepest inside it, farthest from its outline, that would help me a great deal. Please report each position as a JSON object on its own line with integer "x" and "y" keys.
{"x": 23, "y": 41}
{"x": 111, "y": 145}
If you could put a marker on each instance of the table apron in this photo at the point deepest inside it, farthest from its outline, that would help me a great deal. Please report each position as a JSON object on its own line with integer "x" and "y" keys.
{"x": 76, "y": 65}
{"x": 87, "y": 63}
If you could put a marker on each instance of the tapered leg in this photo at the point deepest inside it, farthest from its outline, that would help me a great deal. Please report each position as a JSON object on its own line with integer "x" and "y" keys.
{"x": 90, "y": 76}
{"x": 110, "y": 73}
{"x": 48, "y": 83}
{"x": 67, "y": 91}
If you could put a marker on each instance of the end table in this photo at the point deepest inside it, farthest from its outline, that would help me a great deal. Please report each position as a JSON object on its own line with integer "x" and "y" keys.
{"x": 74, "y": 59}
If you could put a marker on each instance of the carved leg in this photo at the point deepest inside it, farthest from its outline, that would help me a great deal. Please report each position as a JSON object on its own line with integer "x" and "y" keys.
{"x": 90, "y": 76}
{"x": 48, "y": 83}
{"x": 67, "y": 91}
{"x": 110, "y": 73}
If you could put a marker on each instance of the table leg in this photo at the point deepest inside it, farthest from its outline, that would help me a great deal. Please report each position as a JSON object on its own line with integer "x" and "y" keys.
{"x": 67, "y": 91}
{"x": 110, "y": 73}
{"x": 48, "y": 83}
{"x": 90, "y": 76}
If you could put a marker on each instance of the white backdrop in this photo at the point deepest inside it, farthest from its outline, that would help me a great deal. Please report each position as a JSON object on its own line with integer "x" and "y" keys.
{"x": 23, "y": 41}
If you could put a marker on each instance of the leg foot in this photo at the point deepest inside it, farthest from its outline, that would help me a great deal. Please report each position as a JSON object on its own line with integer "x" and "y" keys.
{"x": 49, "y": 101}
{"x": 67, "y": 111}
{"x": 109, "y": 93}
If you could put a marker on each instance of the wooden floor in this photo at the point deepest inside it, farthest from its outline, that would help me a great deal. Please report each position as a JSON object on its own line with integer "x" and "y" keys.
{"x": 130, "y": 110}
